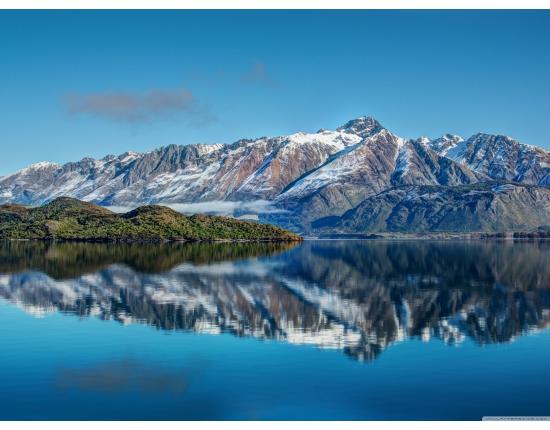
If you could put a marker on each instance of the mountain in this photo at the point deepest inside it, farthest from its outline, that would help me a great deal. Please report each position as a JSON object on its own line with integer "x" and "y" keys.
{"x": 378, "y": 162}
{"x": 66, "y": 218}
{"x": 499, "y": 157}
{"x": 293, "y": 181}
{"x": 481, "y": 207}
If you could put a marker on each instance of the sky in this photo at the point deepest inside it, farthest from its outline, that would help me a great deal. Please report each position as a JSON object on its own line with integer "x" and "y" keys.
{"x": 91, "y": 83}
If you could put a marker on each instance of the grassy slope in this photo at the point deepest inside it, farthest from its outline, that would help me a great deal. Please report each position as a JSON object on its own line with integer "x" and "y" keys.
{"x": 70, "y": 219}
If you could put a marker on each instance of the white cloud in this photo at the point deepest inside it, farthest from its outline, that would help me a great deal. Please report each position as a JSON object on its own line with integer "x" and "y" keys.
{"x": 229, "y": 208}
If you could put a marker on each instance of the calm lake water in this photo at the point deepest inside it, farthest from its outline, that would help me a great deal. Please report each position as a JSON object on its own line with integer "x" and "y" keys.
{"x": 320, "y": 330}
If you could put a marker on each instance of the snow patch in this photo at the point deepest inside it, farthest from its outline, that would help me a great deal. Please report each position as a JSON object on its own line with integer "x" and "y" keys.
{"x": 403, "y": 161}
{"x": 503, "y": 188}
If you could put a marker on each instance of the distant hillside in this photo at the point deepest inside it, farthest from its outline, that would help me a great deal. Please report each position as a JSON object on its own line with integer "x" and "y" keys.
{"x": 70, "y": 219}
{"x": 481, "y": 207}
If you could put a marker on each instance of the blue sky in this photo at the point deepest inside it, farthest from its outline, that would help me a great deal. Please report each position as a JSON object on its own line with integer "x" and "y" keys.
{"x": 91, "y": 83}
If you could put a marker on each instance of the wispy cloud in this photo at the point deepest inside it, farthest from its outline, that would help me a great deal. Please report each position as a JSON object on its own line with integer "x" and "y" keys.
{"x": 136, "y": 107}
{"x": 230, "y": 208}
{"x": 259, "y": 75}
{"x": 226, "y": 207}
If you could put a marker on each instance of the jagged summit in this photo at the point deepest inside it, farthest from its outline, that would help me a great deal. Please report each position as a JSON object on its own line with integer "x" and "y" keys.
{"x": 443, "y": 144}
{"x": 43, "y": 165}
{"x": 364, "y": 125}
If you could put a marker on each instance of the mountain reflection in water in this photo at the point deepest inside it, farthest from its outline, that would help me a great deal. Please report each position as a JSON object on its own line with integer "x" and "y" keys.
{"x": 356, "y": 296}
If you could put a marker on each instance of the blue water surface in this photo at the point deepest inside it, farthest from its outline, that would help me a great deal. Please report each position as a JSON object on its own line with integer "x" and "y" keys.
{"x": 424, "y": 335}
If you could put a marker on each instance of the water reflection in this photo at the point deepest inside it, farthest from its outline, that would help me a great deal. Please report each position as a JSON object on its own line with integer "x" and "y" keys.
{"x": 124, "y": 375}
{"x": 359, "y": 297}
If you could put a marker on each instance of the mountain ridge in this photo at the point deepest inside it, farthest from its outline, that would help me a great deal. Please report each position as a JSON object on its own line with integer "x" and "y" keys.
{"x": 307, "y": 176}
{"x": 481, "y": 207}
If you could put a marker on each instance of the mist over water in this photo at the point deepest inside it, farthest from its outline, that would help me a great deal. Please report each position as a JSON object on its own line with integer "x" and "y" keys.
{"x": 342, "y": 322}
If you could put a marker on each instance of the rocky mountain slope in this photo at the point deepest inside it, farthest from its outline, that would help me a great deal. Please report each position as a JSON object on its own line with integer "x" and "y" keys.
{"x": 298, "y": 179}
{"x": 482, "y": 207}
{"x": 499, "y": 157}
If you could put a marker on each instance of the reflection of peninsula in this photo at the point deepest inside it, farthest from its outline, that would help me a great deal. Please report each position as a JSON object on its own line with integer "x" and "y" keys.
{"x": 69, "y": 259}
{"x": 356, "y": 296}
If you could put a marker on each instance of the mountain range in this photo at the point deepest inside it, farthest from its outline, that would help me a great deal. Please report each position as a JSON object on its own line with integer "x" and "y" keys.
{"x": 360, "y": 177}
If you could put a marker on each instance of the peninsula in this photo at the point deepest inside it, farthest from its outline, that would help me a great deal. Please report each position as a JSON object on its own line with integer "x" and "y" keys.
{"x": 69, "y": 219}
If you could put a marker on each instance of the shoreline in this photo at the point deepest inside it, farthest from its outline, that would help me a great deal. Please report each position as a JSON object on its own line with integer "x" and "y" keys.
{"x": 377, "y": 237}
{"x": 153, "y": 241}
{"x": 445, "y": 236}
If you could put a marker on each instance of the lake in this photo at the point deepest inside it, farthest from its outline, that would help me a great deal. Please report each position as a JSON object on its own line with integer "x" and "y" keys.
{"x": 317, "y": 330}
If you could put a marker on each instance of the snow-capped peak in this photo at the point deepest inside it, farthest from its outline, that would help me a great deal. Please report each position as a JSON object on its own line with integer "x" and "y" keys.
{"x": 338, "y": 139}
{"x": 42, "y": 165}
{"x": 442, "y": 145}
{"x": 423, "y": 140}
{"x": 363, "y": 126}
{"x": 207, "y": 148}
